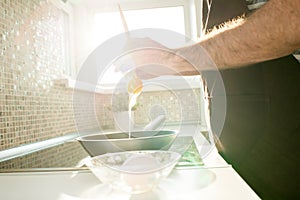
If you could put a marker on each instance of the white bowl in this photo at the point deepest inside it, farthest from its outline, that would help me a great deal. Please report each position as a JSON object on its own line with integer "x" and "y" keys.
{"x": 133, "y": 171}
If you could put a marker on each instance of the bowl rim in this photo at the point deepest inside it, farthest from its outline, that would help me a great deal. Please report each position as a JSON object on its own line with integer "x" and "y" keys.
{"x": 173, "y": 162}
{"x": 82, "y": 138}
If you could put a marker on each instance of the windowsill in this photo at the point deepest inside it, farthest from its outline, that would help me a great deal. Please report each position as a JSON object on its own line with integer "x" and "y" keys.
{"x": 161, "y": 84}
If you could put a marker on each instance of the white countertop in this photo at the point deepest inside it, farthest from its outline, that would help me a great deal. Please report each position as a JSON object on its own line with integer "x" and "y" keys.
{"x": 211, "y": 183}
{"x": 215, "y": 180}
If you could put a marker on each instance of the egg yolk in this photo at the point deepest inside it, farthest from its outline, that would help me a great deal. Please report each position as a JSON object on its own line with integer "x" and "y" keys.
{"x": 135, "y": 86}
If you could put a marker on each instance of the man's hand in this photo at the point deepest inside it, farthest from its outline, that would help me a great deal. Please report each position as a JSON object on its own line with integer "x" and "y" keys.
{"x": 150, "y": 59}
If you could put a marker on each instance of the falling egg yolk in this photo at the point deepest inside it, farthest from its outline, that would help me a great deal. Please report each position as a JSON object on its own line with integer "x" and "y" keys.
{"x": 135, "y": 85}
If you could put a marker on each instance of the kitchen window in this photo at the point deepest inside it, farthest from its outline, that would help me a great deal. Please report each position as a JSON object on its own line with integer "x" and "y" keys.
{"x": 171, "y": 18}
{"x": 67, "y": 44}
{"x": 68, "y": 67}
{"x": 175, "y": 15}
{"x": 99, "y": 21}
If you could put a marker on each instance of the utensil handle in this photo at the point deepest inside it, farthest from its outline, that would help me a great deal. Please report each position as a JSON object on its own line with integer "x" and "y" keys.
{"x": 153, "y": 125}
{"x": 125, "y": 26}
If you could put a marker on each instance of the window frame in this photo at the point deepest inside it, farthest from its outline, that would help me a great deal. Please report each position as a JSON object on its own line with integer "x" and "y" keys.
{"x": 193, "y": 27}
{"x": 67, "y": 9}
{"x": 191, "y": 23}
{"x": 85, "y": 11}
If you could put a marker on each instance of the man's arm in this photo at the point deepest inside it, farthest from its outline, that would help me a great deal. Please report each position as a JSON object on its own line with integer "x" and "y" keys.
{"x": 271, "y": 32}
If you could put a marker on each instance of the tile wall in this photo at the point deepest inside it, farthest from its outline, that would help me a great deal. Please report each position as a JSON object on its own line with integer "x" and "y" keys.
{"x": 35, "y": 107}
{"x": 32, "y": 106}
{"x": 177, "y": 106}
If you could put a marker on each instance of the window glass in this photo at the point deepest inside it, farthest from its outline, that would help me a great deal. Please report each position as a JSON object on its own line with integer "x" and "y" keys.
{"x": 109, "y": 24}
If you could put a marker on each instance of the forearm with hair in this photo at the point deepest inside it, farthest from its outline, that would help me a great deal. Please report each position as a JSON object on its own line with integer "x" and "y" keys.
{"x": 272, "y": 31}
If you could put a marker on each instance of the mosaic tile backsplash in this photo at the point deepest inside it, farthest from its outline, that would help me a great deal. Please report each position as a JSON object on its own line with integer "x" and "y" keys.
{"x": 35, "y": 107}
{"x": 32, "y": 107}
